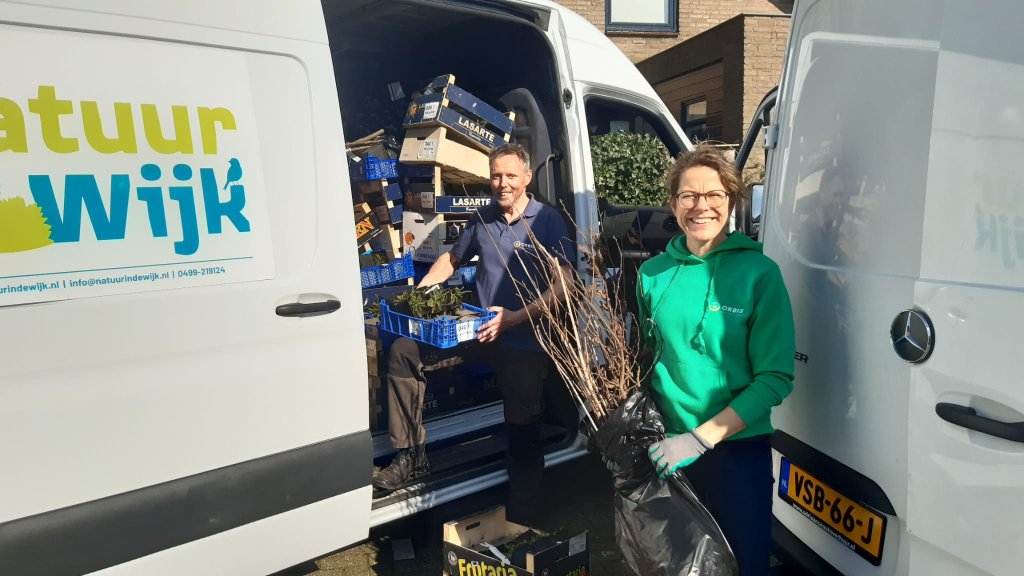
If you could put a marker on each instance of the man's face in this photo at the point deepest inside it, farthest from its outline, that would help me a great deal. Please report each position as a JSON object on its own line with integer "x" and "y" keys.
{"x": 509, "y": 179}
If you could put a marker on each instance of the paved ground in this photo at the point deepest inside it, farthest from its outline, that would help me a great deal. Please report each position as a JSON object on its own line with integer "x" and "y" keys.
{"x": 580, "y": 499}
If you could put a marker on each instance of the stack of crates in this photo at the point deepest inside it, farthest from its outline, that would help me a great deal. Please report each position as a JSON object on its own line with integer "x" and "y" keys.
{"x": 451, "y": 132}
{"x": 413, "y": 202}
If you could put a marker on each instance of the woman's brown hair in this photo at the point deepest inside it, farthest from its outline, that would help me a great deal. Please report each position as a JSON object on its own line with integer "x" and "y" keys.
{"x": 711, "y": 157}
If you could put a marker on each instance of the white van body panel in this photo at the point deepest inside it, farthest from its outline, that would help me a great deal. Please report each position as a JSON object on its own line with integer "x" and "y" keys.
{"x": 895, "y": 185}
{"x": 120, "y": 390}
{"x": 158, "y": 370}
{"x": 597, "y": 61}
{"x": 120, "y": 386}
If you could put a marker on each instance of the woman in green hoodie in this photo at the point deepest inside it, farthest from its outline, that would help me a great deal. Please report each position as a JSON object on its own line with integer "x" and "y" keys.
{"x": 717, "y": 315}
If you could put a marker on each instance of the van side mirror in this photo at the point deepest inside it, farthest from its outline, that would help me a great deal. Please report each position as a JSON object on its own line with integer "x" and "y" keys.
{"x": 747, "y": 218}
{"x": 756, "y": 206}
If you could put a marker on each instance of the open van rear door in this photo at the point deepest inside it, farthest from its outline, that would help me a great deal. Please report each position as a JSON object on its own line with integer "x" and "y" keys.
{"x": 608, "y": 94}
{"x": 183, "y": 378}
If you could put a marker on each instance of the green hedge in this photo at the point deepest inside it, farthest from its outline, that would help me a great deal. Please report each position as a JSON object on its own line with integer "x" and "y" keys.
{"x": 630, "y": 168}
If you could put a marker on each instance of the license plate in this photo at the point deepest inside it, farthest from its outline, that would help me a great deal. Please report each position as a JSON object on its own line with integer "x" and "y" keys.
{"x": 857, "y": 527}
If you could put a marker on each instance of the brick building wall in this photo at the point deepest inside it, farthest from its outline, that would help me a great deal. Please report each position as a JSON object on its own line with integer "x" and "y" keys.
{"x": 695, "y": 16}
{"x": 731, "y": 65}
{"x": 764, "y": 49}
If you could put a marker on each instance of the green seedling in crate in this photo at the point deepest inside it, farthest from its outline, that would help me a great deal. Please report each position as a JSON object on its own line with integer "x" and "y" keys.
{"x": 432, "y": 302}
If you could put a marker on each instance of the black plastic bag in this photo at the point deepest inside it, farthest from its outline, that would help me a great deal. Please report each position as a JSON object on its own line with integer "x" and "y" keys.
{"x": 623, "y": 440}
{"x": 663, "y": 530}
{"x": 661, "y": 527}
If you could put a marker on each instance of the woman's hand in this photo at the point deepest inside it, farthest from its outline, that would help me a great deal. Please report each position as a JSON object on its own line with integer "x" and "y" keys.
{"x": 677, "y": 452}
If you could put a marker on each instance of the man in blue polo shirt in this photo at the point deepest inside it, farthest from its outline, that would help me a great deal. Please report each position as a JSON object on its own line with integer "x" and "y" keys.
{"x": 510, "y": 283}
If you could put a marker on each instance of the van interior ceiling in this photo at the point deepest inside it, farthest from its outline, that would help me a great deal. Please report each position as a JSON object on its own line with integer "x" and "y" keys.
{"x": 498, "y": 54}
{"x": 503, "y": 58}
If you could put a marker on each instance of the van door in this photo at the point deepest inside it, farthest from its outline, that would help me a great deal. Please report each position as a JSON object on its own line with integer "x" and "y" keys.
{"x": 181, "y": 336}
{"x": 966, "y": 422}
{"x": 893, "y": 210}
{"x": 604, "y": 92}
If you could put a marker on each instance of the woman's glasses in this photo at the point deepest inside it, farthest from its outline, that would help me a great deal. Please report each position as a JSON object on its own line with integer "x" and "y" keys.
{"x": 715, "y": 198}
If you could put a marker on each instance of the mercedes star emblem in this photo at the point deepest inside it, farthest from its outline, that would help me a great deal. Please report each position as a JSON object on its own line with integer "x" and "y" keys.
{"x": 912, "y": 336}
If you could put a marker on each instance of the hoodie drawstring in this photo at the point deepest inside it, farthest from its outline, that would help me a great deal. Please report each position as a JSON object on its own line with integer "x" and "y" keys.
{"x": 697, "y": 342}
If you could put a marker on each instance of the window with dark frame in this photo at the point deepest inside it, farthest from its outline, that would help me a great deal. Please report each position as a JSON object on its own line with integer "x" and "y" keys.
{"x": 641, "y": 15}
{"x": 694, "y": 119}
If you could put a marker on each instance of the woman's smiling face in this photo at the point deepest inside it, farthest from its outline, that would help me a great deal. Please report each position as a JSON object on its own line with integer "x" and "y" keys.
{"x": 705, "y": 226}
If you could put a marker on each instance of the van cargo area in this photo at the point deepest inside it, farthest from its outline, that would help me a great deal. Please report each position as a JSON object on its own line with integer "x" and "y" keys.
{"x": 384, "y": 52}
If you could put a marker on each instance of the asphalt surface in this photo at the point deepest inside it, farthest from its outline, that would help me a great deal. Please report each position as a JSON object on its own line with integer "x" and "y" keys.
{"x": 578, "y": 498}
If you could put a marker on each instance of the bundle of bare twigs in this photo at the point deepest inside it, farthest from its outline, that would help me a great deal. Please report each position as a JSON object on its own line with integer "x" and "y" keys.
{"x": 362, "y": 145}
{"x": 589, "y": 332}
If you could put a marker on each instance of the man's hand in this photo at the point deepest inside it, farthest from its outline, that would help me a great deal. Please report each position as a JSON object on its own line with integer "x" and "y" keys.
{"x": 677, "y": 452}
{"x": 503, "y": 320}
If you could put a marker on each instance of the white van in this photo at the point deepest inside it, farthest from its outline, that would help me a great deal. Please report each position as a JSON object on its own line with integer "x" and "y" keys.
{"x": 183, "y": 383}
{"x": 895, "y": 208}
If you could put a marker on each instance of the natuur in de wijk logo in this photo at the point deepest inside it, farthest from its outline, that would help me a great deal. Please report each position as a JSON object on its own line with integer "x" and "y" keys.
{"x": 88, "y": 200}
{"x": 117, "y": 182}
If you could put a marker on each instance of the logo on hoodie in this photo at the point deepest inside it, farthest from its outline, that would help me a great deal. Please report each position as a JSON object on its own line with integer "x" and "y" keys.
{"x": 715, "y": 307}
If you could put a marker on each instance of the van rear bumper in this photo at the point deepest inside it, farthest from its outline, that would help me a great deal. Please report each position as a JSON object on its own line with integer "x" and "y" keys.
{"x": 95, "y": 535}
{"x": 798, "y": 559}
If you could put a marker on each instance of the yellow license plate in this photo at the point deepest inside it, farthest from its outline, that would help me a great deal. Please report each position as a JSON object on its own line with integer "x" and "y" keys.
{"x": 859, "y": 528}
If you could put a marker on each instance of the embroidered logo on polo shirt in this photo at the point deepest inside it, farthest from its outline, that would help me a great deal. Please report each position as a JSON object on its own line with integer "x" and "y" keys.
{"x": 523, "y": 245}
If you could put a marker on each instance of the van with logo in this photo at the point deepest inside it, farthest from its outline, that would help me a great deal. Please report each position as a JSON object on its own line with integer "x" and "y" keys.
{"x": 895, "y": 209}
{"x": 183, "y": 376}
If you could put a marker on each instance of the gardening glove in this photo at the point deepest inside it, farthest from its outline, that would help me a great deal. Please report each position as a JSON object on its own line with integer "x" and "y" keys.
{"x": 677, "y": 452}
{"x": 610, "y": 464}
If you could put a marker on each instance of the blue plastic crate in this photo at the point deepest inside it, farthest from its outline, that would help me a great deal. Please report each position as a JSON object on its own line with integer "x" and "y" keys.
{"x": 468, "y": 274}
{"x": 373, "y": 168}
{"x": 393, "y": 271}
{"x": 465, "y": 275}
{"x": 442, "y": 333}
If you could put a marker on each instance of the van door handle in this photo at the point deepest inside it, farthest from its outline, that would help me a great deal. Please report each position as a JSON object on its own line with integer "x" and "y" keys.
{"x": 968, "y": 418}
{"x": 308, "y": 309}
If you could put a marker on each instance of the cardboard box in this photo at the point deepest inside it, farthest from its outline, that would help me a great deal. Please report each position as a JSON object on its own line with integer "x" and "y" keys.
{"x": 460, "y": 387}
{"x": 419, "y": 196}
{"x": 367, "y": 226}
{"x": 385, "y": 197}
{"x": 378, "y": 191}
{"x": 457, "y": 161}
{"x": 423, "y": 235}
{"x": 389, "y": 240}
{"x": 461, "y": 204}
{"x": 475, "y": 121}
{"x": 464, "y": 554}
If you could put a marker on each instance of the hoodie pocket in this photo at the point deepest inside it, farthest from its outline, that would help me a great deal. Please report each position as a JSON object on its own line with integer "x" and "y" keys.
{"x": 701, "y": 391}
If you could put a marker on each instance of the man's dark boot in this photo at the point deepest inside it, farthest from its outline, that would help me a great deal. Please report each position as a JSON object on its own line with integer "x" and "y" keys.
{"x": 408, "y": 465}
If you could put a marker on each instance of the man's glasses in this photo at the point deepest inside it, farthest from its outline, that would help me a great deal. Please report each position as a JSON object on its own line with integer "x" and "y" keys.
{"x": 715, "y": 199}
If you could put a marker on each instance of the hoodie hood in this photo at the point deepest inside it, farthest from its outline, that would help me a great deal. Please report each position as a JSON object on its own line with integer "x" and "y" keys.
{"x": 735, "y": 241}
